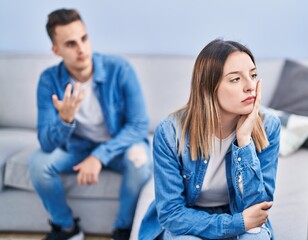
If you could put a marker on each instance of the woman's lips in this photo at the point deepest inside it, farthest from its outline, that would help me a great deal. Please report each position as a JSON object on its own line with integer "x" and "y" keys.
{"x": 249, "y": 100}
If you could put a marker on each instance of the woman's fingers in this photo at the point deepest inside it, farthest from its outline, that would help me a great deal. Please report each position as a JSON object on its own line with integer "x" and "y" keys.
{"x": 258, "y": 96}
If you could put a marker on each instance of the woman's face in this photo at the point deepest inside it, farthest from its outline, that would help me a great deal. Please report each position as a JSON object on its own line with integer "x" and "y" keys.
{"x": 237, "y": 89}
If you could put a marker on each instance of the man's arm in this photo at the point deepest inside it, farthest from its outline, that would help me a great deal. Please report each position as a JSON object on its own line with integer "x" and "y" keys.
{"x": 136, "y": 125}
{"x": 55, "y": 117}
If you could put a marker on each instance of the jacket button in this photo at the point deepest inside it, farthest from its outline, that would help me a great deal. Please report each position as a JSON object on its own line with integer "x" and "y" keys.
{"x": 184, "y": 176}
{"x": 198, "y": 186}
{"x": 205, "y": 161}
{"x": 239, "y": 159}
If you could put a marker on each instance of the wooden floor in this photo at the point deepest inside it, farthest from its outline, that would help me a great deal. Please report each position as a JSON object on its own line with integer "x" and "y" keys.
{"x": 40, "y": 236}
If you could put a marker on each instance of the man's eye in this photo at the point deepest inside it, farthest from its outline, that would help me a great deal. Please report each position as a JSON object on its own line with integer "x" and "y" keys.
{"x": 85, "y": 38}
{"x": 70, "y": 44}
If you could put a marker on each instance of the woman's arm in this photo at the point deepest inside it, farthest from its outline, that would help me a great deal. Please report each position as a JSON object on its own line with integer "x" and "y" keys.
{"x": 254, "y": 174}
{"x": 170, "y": 195}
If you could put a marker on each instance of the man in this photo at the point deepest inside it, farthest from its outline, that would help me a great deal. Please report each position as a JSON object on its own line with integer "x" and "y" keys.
{"x": 91, "y": 116}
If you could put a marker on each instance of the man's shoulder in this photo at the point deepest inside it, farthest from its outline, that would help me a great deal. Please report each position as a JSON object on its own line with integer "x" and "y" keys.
{"x": 109, "y": 59}
{"x": 54, "y": 69}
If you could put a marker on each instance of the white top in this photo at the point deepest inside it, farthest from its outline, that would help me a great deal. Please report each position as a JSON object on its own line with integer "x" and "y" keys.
{"x": 214, "y": 190}
{"x": 89, "y": 118}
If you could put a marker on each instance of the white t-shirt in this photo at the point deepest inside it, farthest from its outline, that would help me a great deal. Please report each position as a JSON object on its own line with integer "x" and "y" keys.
{"x": 89, "y": 118}
{"x": 214, "y": 190}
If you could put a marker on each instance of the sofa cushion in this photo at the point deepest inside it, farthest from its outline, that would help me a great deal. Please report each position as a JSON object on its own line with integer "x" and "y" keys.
{"x": 146, "y": 197}
{"x": 294, "y": 132}
{"x": 23, "y": 211}
{"x": 17, "y": 176}
{"x": 291, "y": 94}
{"x": 290, "y": 206}
{"x": 11, "y": 141}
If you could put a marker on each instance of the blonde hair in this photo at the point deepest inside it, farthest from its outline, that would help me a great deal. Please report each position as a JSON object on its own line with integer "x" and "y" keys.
{"x": 200, "y": 117}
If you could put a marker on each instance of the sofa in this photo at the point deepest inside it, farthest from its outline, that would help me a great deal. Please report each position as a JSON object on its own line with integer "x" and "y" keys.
{"x": 165, "y": 81}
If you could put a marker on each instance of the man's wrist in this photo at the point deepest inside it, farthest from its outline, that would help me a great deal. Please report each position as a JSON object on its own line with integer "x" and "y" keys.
{"x": 67, "y": 120}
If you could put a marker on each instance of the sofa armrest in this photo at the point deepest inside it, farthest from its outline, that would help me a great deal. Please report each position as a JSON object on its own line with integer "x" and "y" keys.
{"x": 146, "y": 197}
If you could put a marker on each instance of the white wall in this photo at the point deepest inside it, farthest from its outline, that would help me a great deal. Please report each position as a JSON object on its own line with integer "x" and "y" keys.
{"x": 271, "y": 28}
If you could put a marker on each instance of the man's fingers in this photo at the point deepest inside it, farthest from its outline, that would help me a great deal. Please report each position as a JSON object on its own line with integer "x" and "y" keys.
{"x": 67, "y": 93}
{"x": 76, "y": 90}
{"x": 56, "y": 101}
{"x": 76, "y": 168}
{"x": 86, "y": 179}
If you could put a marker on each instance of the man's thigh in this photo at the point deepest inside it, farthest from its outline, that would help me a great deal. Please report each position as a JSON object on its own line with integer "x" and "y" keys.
{"x": 59, "y": 160}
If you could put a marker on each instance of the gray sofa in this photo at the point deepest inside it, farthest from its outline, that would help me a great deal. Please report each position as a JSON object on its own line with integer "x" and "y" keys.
{"x": 165, "y": 81}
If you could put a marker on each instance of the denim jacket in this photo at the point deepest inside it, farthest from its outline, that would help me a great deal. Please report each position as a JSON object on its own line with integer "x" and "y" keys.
{"x": 178, "y": 183}
{"x": 119, "y": 94}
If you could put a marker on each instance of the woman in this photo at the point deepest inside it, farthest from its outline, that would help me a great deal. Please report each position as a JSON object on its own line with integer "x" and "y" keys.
{"x": 215, "y": 160}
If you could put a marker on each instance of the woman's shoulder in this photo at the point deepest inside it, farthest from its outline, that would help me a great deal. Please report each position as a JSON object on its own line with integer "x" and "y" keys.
{"x": 270, "y": 120}
{"x": 168, "y": 124}
{"x": 169, "y": 130}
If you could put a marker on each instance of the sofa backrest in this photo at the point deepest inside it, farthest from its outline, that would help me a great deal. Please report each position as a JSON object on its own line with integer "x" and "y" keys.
{"x": 19, "y": 75}
{"x": 165, "y": 81}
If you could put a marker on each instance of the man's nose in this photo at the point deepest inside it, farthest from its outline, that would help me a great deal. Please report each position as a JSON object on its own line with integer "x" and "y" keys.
{"x": 80, "y": 47}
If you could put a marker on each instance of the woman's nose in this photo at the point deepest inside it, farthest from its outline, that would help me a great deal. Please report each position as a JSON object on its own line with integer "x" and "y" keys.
{"x": 250, "y": 85}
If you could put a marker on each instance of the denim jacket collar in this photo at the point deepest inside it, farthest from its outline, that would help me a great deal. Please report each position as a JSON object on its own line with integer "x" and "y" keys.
{"x": 99, "y": 74}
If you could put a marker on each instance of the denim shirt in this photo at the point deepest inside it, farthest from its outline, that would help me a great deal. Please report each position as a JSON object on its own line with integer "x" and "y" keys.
{"x": 119, "y": 94}
{"x": 178, "y": 183}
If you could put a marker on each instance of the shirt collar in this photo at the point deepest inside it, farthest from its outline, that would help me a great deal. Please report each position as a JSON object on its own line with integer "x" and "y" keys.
{"x": 98, "y": 71}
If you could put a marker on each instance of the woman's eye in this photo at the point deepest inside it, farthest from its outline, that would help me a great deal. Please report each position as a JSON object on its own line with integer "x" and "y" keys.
{"x": 235, "y": 79}
{"x": 254, "y": 76}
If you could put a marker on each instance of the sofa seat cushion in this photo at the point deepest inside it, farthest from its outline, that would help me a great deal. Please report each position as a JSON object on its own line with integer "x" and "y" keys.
{"x": 290, "y": 206}
{"x": 17, "y": 176}
{"x": 23, "y": 211}
{"x": 13, "y": 140}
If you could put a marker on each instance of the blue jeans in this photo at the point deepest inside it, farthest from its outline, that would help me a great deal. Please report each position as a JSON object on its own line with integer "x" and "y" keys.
{"x": 45, "y": 170}
{"x": 262, "y": 234}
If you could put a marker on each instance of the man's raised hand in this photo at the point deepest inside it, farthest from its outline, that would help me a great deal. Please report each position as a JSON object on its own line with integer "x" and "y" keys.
{"x": 70, "y": 104}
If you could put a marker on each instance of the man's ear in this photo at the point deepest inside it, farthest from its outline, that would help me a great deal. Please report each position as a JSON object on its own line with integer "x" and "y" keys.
{"x": 55, "y": 50}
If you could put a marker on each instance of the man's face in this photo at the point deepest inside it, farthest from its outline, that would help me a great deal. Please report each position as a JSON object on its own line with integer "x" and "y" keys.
{"x": 72, "y": 44}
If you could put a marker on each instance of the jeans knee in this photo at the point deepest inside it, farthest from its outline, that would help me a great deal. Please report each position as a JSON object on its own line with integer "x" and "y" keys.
{"x": 139, "y": 155}
{"x": 138, "y": 162}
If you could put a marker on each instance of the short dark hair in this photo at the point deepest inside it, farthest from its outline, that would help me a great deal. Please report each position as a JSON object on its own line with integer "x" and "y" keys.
{"x": 61, "y": 17}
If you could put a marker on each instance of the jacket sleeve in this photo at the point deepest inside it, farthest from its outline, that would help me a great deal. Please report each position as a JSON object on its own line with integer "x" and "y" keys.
{"x": 172, "y": 210}
{"x": 136, "y": 125}
{"x": 52, "y": 131}
{"x": 254, "y": 174}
